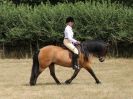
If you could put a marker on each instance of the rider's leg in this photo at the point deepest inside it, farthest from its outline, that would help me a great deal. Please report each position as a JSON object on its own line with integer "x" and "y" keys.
{"x": 75, "y": 59}
{"x": 75, "y": 55}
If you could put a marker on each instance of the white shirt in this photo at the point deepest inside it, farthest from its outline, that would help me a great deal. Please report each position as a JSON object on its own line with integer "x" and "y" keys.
{"x": 69, "y": 34}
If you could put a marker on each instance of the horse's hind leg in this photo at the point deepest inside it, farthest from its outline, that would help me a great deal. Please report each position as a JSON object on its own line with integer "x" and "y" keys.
{"x": 93, "y": 74}
{"x": 52, "y": 73}
{"x": 73, "y": 76}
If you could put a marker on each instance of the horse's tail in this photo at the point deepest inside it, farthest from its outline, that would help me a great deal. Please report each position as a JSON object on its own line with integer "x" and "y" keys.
{"x": 35, "y": 69}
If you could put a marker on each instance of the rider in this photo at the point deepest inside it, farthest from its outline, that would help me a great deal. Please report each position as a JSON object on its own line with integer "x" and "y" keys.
{"x": 69, "y": 41}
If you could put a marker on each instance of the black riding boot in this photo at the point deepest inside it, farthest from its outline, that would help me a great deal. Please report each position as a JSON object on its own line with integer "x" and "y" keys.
{"x": 75, "y": 61}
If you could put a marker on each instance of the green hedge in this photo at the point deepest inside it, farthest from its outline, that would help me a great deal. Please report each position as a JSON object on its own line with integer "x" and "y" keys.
{"x": 37, "y": 2}
{"x": 108, "y": 21}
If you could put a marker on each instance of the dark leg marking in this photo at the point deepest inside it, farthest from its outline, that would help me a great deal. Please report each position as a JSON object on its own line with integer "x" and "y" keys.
{"x": 52, "y": 73}
{"x": 93, "y": 75}
{"x": 73, "y": 76}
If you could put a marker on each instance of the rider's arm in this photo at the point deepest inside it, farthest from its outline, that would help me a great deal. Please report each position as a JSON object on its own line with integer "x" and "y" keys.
{"x": 69, "y": 35}
{"x": 71, "y": 38}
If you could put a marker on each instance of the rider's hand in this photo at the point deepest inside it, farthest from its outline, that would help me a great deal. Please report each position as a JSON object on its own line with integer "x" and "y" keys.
{"x": 78, "y": 42}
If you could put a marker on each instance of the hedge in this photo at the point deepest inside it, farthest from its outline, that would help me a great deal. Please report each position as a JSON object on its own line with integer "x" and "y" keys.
{"x": 107, "y": 21}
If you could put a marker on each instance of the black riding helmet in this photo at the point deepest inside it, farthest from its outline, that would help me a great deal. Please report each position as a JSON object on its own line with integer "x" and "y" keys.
{"x": 69, "y": 19}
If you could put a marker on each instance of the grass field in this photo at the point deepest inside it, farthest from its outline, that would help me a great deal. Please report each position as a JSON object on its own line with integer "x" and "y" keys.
{"x": 116, "y": 76}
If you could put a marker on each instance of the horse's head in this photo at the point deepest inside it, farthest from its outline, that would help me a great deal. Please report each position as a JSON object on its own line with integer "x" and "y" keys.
{"x": 97, "y": 48}
{"x": 102, "y": 53}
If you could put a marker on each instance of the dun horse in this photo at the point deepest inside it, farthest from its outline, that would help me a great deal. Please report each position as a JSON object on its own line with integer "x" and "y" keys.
{"x": 50, "y": 55}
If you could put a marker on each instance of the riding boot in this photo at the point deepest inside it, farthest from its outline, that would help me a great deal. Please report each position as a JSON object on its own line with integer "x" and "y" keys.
{"x": 75, "y": 61}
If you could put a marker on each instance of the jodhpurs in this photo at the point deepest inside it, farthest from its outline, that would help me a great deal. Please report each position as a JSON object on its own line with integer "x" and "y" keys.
{"x": 70, "y": 46}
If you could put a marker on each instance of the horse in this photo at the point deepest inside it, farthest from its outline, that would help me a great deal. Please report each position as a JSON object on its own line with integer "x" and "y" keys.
{"x": 50, "y": 55}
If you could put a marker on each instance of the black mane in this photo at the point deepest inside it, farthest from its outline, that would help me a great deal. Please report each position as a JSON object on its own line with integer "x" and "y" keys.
{"x": 92, "y": 46}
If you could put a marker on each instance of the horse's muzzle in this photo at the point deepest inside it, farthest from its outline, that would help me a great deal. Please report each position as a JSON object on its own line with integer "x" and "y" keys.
{"x": 101, "y": 59}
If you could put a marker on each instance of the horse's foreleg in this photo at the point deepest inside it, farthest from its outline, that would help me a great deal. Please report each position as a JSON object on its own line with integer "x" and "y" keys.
{"x": 73, "y": 76}
{"x": 52, "y": 73}
{"x": 93, "y": 75}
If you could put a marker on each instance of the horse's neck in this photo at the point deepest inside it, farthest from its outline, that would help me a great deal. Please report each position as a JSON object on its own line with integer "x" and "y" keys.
{"x": 78, "y": 47}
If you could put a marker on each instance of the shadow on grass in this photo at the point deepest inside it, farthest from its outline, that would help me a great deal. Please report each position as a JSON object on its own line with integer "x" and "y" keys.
{"x": 51, "y": 83}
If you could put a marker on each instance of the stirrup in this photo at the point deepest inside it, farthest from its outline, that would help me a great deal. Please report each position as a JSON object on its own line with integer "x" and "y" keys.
{"x": 76, "y": 67}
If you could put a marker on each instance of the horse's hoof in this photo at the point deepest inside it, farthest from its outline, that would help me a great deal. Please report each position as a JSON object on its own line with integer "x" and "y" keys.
{"x": 98, "y": 82}
{"x": 67, "y": 82}
{"x": 32, "y": 84}
{"x": 58, "y": 83}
